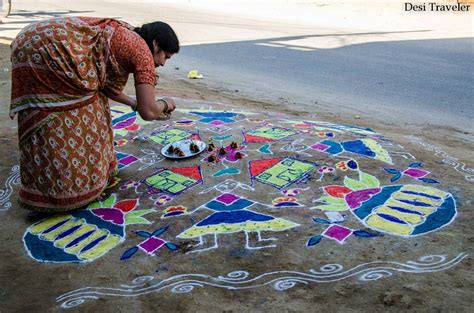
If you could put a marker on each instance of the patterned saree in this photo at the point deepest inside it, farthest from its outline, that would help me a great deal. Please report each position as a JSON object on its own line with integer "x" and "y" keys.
{"x": 60, "y": 69}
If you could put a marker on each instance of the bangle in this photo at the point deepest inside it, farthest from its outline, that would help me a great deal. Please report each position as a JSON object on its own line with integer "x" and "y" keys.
{"x": 165, "y": 108}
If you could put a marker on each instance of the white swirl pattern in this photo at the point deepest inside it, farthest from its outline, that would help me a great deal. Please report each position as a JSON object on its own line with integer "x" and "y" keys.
{"x": 139, "y": 281}
{"x": 375, "y": 275}
{"x": 234, "y": 276}
{"x": 279, "y": 280}
{"x": 185, "y": 287}
{"x": 447, "y": 159}
{"x": 13, "y": 179}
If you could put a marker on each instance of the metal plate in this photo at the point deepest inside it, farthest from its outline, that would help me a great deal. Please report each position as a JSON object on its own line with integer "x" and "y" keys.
{"x": 184, "y": 146}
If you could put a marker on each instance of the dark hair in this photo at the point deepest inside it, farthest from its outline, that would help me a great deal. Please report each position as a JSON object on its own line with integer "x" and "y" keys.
{"x": 162, "y": 33}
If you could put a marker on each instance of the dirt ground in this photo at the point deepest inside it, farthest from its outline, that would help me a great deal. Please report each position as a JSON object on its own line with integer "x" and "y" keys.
{"x": 370, "y": 270}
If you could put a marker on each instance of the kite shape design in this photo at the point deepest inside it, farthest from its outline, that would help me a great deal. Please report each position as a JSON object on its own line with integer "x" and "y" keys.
{"x": 151, "y": 244}
{"x": 216, "y": 118}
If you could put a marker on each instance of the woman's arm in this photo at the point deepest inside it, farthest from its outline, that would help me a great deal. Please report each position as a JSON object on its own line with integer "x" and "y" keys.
{"x": 120, "y": 98}
{"x": 147, "y": 107}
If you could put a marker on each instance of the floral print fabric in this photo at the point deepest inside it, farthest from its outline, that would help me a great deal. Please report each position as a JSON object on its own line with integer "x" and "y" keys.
{"x": 60, "y": 70}
{"x": 68, "y": 160}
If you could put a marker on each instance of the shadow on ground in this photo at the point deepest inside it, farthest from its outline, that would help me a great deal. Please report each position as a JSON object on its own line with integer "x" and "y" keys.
{"x": 397, "y": 80}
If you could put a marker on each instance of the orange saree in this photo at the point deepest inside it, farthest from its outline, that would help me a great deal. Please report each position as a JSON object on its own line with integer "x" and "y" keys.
{"x": 60, "y": 69}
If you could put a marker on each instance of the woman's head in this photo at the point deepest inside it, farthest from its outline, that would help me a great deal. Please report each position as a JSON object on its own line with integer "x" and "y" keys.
{"x": 161, "y": 39}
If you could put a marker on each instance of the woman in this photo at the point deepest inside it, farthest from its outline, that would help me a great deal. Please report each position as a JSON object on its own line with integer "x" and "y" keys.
{"x": 63, "y": 72}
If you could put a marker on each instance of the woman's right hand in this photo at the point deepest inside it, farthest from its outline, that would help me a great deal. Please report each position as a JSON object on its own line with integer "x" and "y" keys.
{"x": 148, "y": 107}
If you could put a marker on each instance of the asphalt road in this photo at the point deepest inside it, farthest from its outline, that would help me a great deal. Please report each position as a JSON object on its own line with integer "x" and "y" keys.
{"x": 381, "y": 63}
{"x": 420, "y": 82}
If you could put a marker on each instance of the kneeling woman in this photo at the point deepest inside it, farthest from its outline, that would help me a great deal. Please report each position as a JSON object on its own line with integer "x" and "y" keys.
{"x": 63, "y": 72}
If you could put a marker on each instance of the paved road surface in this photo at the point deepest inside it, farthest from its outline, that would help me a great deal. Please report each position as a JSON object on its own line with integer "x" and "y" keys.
{"x": 428, "y": 81}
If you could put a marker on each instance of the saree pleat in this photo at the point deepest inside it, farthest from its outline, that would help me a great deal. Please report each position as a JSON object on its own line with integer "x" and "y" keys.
{"x": 67, "y": 160}
{"x": 59, "y": 69}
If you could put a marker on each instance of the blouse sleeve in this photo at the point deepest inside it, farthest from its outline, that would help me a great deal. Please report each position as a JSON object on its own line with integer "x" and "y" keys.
{"x": 133, "y": 55}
